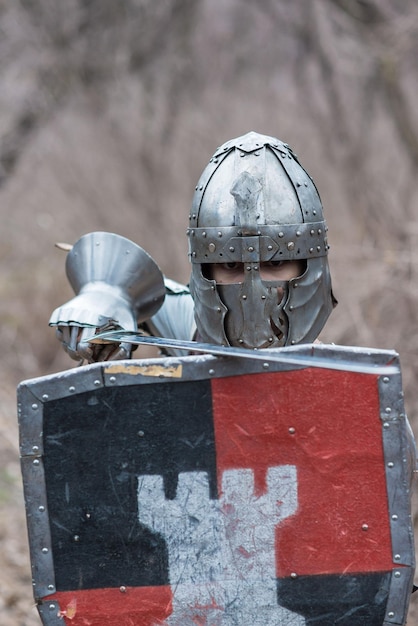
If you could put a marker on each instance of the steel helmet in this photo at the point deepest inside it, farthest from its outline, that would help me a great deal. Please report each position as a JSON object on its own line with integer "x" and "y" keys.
{"x": 255, "y": 203}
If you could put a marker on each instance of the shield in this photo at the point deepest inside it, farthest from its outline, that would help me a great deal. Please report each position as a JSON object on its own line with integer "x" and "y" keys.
{"x": 220, "y": 490}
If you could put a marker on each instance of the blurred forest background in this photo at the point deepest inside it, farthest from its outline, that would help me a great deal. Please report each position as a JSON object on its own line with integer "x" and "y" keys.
{"x": 109, "y": 111}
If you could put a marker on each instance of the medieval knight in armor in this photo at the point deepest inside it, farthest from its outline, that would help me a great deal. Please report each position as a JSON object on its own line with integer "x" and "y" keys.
{"x": 259, "y": 254}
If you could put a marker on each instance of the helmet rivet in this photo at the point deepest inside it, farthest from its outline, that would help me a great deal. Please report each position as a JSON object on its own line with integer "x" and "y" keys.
{"x": 291, "y": 307}
{"x": 255, "y": 268}
{"x": 219, "y": 309}
{"x": 298, "y": 184}
{"x": 244, "y": 297}
{"x": 291, "y": 245}
{"x": 270, "y": 339}
{"x": 248, "y": 268}
{"x": 196, "y": 188}
{"x": 256, "y": 153}
{"x": 263, "y": 297}
{"x": 314, "y": 212}
{"x": 194, "y": 216}
{"x": 312, "y": 232}
{"x": 311, "y": 250}
{"x": 219, "y": 233}
{"x": 298, "y": 233}
{"x": 212, "y": 247}
{"x": 242, "y": 154}
{"x": 281, "y": 234}
{"x": 269, "y": 247}
{"x": 319, "y": 231}
{"x": 215, "y": 160}
{"x": 201, "y": 187}
{"x": 204, "y": 234}
{"x": 318, "y": 248}
{"x": 251, "y": 249}
{"x": 194, "y": 255}
{"x": 231, "y": 249}
{"x": 295, "y": 285}
{"x": 240, "y": 341}
{"x": 306, "y": 184}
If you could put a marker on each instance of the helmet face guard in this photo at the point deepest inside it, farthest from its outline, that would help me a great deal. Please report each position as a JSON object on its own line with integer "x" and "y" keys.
{"x": 254, "y": 203}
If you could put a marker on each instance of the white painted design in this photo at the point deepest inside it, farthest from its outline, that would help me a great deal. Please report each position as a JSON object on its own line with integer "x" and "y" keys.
{"x": 222, "y": 552}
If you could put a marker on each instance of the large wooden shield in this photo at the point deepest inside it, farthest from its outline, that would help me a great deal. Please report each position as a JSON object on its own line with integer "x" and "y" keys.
{"x": 220, "y": 491}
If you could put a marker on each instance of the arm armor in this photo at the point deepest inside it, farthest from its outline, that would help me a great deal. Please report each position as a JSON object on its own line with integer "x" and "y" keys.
{"x": 116, "y": 282}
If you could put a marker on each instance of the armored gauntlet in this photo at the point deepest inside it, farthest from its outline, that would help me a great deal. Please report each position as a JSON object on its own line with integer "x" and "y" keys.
{"x": 117, "y": 286}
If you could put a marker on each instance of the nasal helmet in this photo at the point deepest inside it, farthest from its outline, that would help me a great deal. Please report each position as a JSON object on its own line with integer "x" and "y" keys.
{"x": 255, "y": 203}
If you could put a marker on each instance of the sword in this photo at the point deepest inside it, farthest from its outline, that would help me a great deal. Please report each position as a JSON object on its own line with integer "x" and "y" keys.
{"x": 287, "y": 355}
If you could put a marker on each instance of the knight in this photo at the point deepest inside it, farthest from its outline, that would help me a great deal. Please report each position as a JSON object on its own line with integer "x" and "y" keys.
{"x": 259, "y": 263}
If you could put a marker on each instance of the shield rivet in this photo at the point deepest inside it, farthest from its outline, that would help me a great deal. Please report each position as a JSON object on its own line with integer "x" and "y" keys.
{"x": 391, "y": 614}
{"x": 397, "y": 574}
{"x": 112, "y": 379}
{"x": 266, "y": 366}
{"x": 122, "y": 589}
{"x": 36, "y": 462}
{"x": 293, "y": 575}
{"x": 292, "y": 430}
{"x": 45, "y": 550}
{"x": 51, "y": 607}
{"x": 365, "y": 527}
{"x": 51, "y": 587}
{"x": 71, "y": 389}
{"x": 394, "y": 517}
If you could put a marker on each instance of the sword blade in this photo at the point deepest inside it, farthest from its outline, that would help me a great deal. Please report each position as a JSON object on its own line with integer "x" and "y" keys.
{"x": 286, "y": 355}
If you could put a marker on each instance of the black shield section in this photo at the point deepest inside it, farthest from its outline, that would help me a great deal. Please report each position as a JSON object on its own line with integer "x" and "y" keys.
{"x": 345, "y": 600}
{"x": 95, "y": 446}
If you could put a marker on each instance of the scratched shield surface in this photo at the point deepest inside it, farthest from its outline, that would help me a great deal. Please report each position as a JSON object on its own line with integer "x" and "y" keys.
{"x": 220, "y": 491}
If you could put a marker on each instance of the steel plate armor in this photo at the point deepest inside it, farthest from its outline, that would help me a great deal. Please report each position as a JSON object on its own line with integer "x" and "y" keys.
{"x": 255, "y": 203}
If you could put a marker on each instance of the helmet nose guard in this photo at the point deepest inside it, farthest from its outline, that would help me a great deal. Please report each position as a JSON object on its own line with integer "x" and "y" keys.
{"x": 255, "y": 203}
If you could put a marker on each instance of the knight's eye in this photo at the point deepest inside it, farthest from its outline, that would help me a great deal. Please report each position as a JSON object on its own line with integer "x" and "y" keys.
{"x": 232, "y": 265}
{"x": 275, "y": 263}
